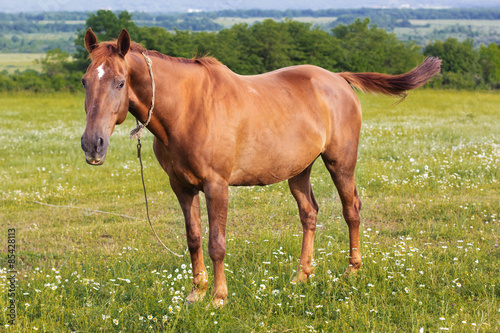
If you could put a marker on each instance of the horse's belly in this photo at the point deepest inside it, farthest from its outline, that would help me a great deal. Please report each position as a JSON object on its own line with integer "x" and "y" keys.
{"x": 277, "y": 153}
{"x": 272, "y": 168}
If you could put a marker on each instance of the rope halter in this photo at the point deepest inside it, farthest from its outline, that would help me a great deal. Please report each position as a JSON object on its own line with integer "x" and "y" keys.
{"x": 137, "y": 132}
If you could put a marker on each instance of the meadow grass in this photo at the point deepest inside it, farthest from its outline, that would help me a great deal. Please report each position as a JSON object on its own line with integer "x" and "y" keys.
{"x": 428, "y": 176}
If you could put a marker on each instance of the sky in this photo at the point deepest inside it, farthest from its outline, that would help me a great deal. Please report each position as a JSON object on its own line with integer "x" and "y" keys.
{"x": 185, "y": 5}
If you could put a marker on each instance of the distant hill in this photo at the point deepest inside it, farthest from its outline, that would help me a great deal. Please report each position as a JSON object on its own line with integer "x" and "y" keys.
{"x": 193, "y": 5}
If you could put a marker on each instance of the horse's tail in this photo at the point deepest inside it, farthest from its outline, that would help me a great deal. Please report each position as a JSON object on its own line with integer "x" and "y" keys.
{"x": 394, "y": 85}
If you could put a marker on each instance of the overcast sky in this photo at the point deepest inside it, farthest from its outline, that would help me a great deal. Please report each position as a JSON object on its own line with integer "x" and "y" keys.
{"x": 184, "y": 5}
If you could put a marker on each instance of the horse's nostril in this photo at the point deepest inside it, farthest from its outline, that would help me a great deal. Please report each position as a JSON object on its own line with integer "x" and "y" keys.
{"x": 99, "y": 144}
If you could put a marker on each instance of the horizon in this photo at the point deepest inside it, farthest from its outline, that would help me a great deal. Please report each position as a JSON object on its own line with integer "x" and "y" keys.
{"x": 191, "y": 6}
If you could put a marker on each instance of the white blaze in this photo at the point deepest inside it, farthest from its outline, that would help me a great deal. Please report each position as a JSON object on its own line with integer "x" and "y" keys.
{"x": 252, "y": 90}
{"x": 100, "y": 71}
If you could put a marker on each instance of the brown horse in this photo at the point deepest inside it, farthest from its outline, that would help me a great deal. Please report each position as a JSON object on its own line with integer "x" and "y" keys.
{"x": 214, "y": 129}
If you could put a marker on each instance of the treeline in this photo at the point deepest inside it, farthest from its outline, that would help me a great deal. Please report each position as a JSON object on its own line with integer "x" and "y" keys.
{"x": 24, "y": 44}
{"x": 41, "y": 22}
{"x": 44, "y": 16}
{"x": 17, "y": 29}
{"x": 204, "y": 21}
{"x": 268, "y": 45}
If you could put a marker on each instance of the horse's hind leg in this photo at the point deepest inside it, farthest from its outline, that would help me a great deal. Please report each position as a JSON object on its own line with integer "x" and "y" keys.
{"x": 300, "y": 186}
{"x": 342, "y": 172}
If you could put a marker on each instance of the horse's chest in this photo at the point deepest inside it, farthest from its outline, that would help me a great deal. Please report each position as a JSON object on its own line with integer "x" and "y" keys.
{"x": 182, "y": 167}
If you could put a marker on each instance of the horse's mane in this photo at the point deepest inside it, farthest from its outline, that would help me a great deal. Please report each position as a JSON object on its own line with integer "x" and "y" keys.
{"x": 106, "y": 49}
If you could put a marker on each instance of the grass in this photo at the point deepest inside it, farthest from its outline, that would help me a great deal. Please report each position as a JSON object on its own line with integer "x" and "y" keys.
{"x": 428, "y": 176}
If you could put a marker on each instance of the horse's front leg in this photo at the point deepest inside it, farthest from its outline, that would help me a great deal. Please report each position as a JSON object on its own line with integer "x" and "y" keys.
{"x": 190, "y": 204}
{"x": 216, "y": 194}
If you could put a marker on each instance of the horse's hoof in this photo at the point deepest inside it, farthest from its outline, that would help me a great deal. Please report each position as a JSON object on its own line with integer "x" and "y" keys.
{"x": 196, "y": 295}
{"x": 301, "y": 277}
{"x": 351, "y": 270}
{"x": 218, "y": 302}
{"x": 303, "y": 273}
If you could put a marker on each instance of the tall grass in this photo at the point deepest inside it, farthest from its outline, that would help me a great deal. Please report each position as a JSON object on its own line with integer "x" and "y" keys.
{"x": 428, "y": 176}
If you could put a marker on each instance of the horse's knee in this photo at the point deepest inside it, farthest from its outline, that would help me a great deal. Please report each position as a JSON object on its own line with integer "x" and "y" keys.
{"x": 308, "y": 219}
{"x": 351, "y": 215}
{"x": 194, "y": 242}
{"x": 217, "y": 249}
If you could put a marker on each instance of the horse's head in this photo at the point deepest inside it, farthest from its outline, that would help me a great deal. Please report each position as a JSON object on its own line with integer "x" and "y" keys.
{"x": 106, "y": 93}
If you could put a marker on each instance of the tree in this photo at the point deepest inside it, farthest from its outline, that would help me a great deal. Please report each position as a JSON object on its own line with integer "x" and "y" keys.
{"x": 489, "y": 59}
{"x": 271, "y": 42}
{"x": 155, "y": 38}
{"x": 370, "y": 49}
{"x": 312, "y": 45}
{"x": 460, "y": 65}
{"x": 106, "y": 25}
{"x": 55, "y": 62}
{"x": 234, "y": 49}
{"x": 457, "y": 57}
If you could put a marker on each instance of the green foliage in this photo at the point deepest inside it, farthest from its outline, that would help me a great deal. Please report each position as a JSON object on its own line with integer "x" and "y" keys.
{"x": 458, "y": 57}
{"x": 56, "y": 62}
{"x": 314, "y": 46}
{"x": 26, "y": 25}
{"x": 58, "y": 73}
{"x": 184, "y": 22}
{"x": 269, "y": 45}
{"x": 33, "y": 43}
{"x": 461, "y": 67}
{"x": 368, "y": 48}
{"x": 106, "y": 25}
{"x": 233, "y": 46}
{"x": 489, "y": 57}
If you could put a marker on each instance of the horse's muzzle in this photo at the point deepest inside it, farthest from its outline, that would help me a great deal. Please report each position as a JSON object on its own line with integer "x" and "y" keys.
{"x": 95, "y": 162}
{"x": 95, "y": 148}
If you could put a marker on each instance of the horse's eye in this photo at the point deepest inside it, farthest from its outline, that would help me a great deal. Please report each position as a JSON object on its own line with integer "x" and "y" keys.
{"x": 121, "y": 84}
{"x": 83, "y": 82}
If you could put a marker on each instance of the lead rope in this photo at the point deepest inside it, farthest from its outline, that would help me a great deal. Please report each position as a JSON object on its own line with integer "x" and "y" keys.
{"x": 136, "y": 133}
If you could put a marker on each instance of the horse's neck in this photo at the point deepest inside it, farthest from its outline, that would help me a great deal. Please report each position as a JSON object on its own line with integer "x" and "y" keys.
{"x": 168, "y": 77}
{"x": 140, "y": 91}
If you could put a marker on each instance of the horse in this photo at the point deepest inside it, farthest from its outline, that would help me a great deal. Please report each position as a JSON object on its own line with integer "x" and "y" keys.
{"x": 214, "y": 128}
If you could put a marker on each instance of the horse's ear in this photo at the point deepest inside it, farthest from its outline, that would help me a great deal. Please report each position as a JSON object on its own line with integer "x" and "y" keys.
{"x": 123, "y": 43}
{"x": 90, "y": 40}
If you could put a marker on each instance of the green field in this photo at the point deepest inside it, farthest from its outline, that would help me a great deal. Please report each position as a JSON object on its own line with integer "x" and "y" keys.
{"x": 428, "y": 176}
{"x": 227, "y": 22}
{"x": 20, "y": 61}
{"x": 425, "y": 31}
